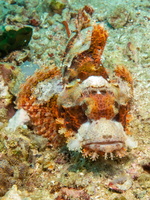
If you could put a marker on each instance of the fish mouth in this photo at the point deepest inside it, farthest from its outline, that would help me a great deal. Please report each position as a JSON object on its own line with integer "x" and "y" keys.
{"x": 104, "y": 143}
{"x": 107, "y": 146}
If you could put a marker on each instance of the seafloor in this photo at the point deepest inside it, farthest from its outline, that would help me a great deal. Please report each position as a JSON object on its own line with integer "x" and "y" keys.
{"x": 29, "y": 170}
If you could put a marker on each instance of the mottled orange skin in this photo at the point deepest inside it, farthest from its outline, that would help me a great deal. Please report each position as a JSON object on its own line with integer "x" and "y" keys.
{"x": 123, "y": 116}
{"x": 98, "y": 42}
{"x": 67, "y": 111}
{"x": 43, "y": 115}
{"x": 122, "y": 72}
{"x": 88, "y": 62}
{"x": 73, "y": 117}
{"x": 99, "y": 106}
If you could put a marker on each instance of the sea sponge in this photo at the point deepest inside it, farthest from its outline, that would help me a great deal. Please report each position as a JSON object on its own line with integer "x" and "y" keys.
{"x": 120, "y": 15}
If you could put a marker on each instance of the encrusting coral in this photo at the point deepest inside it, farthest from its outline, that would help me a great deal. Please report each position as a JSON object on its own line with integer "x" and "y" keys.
{"x": 81, "y": 106}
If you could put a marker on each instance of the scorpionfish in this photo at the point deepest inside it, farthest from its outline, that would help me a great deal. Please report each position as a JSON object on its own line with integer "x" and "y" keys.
{"x": 81, "y": 106}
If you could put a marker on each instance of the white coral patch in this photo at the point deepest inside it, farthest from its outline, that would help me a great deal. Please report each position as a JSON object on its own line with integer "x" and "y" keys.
{"x": 19, "y": 119}
{"x": 5, "y": 96}
{"x": 131, "y": 143}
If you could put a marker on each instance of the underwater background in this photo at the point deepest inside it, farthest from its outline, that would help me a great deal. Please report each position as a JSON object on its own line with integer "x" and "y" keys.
{"x": 34, "y": 34}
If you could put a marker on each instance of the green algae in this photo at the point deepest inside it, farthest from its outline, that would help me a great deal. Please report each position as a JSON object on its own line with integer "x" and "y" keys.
{"x": 57, "y": 6}
{"x": 14, "y": 40}
{"x": 120, "y": 198}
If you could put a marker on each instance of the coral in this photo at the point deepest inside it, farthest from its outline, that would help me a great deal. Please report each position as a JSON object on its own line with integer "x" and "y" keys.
{"x": 6, "y": 70}
{"x": 146, "y": 167}
{"x": 120, "y": 198}
{"x": 6, "y": 170}
{"x": 65, "y": 23}
{"x": 57, "y": 6}
{"x": 21, "y": 116}
{"x": 119, "y": 16}
{"x": 8, "y": 75}
{"x": 144, "y": 180}
{"x": 121, "y": 183}
{"x": 34, "y": 22}
{"x": 5, "y": 9}
{"x": 75, "y": 193}
{"x": 83, "y": 18}
{"x": 5, "y": 96}
{"x": 13, "y": 160}
{"x": 13, "y": 193}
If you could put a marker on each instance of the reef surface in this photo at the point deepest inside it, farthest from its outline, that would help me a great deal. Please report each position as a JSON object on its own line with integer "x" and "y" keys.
{"x": 29, "y": 167}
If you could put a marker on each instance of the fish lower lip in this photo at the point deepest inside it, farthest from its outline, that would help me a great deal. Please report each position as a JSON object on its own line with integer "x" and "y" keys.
{"x": 103, "y": 143}
{"x": 106, "y": 147}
